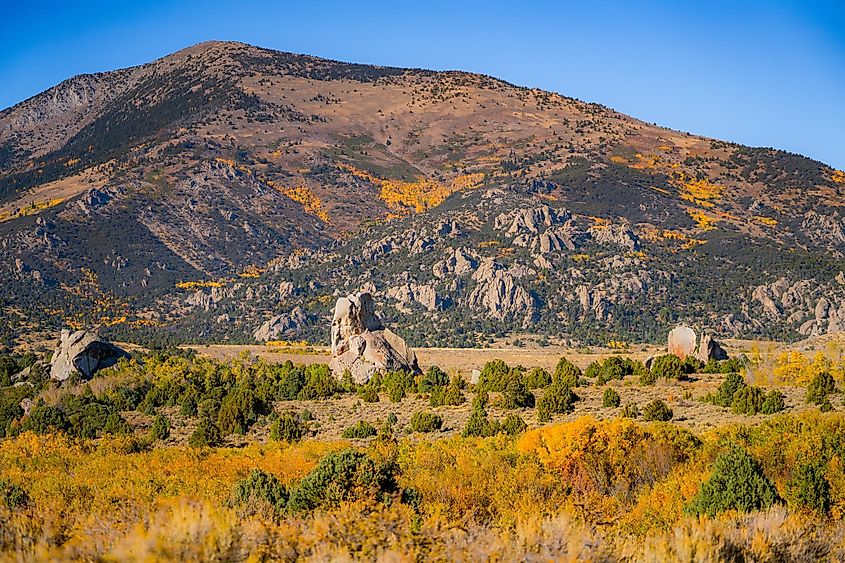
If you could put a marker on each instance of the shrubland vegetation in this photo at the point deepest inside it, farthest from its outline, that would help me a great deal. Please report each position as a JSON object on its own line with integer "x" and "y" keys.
{"x": 578, "y": 488}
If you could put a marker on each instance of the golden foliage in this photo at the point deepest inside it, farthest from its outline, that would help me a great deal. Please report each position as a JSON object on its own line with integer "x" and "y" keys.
{"x": 768, "y": 221}
{"x": 199, "y": 284}
{"x": 419, "y": 196}
{"x": 839, "y": 176}
{"x": 34, "y": 208}
{"x": 704, "y": 221}
{"x": 467, "y": 181}
{"x": 309, "y": 200}
{"x": 795, "y": 368}
{"x": 580, "y": 490}
{"x": 251, "y": 272}
{"x": 702, "y": 192}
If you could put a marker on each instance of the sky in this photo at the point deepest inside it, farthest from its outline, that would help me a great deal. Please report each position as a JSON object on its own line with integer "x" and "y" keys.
{"x": 762, "y": 73}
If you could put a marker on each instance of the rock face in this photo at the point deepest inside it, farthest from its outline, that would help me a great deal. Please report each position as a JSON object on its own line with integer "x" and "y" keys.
{"x": 362, "y": 345}
{"x": 709, "y": 349}
{"x": 281, "y": 325}
{"x": 83, "y": 352}
{"x": 682, "y": 341}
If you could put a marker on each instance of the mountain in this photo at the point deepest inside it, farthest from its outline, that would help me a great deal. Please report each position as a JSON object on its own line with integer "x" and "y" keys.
{"x": 228, "y": 192}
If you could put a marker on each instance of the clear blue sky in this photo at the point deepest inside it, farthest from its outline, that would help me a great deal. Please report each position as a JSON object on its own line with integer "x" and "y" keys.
{"x": 763, "y": 73}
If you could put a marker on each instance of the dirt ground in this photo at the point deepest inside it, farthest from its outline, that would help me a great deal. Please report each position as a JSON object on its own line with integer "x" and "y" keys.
{"x": 464, "y": 360}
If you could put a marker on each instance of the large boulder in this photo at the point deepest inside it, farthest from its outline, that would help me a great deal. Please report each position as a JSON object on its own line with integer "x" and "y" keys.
{"x": 83, "y": 352}
{"x": 682, "y": 341}
{"x": 709, "y": 349}
{"x": 362, "y": 345}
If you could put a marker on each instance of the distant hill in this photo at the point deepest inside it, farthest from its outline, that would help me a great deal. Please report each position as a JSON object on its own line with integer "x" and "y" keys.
{"x": 228, "y": 192}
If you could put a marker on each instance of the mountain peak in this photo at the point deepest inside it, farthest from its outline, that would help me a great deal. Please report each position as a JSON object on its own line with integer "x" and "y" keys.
{"x": 226, "y": 172}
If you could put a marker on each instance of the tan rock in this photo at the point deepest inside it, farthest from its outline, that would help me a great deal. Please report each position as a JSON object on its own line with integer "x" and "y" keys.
{"x": 682, "y": 341}
{"x": 362, "y": 345}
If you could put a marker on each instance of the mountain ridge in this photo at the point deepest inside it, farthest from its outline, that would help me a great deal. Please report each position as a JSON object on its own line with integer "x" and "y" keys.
{"x": 163, "y": 186}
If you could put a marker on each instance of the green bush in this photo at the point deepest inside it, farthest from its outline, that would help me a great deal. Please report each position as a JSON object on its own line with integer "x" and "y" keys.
{"x": 748, "y": 400}
{"x": 319, "y": 383}
{"x": 478, "y": 424}
{"x": 188, "y": 405}
{"x": 737, "y": 483}
{"x": 657, "y": 410}
{"x": 820, "y": 387}
{"x": 558, "y": 398}
{"x": 732, "y": 383}
{"x": 206, "y": 434}
{"x": 447, "y": 396}
{"x": 260, "y": 488}
{"x": 13, "y": 496}
{"x": 10, "y": 409}
{"x": 610, "y": 398}
{"x": 513, "y": 425}
{"x": 773, "y": 402}
{"x": 369, "y": 392}
{"x": 825, "y": 405}
{"x": 433, "y": 378}
{"x": 44, "y": 419}
{"x": 360, "y": 430}
{"x": 537, "y": 378}
{"x": 286, "y": 428}
{"x": 691, "y": 365}
{"x": 494, "y": 375}
{"x": 160, "y": 430}
{"x": 240, "y": 409}
{"x": 648, "y": 378}
{"x": 809, "y": 488}
{"x": 731, "y": 365}
{"x": 425, "y": 422}
{"x": 566, "y": 374}
{"x": 614, "y": 367}
{"x": 392, "y": 419}
{"x": 398, "y": 384}
{"x": 668, "y": 366}
{"x": 516, "y": 395}
{"x": 342, "y": 476}
{"x": 630, "y": 410}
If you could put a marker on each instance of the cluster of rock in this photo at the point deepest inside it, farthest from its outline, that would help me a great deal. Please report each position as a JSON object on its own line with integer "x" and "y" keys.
{"x": 83, "y": 352}
{"x": 810, "y": 307}
{"x": 361, "y": 345}
{"x": 683, "y": 343}
{"x": 284, "y": 325}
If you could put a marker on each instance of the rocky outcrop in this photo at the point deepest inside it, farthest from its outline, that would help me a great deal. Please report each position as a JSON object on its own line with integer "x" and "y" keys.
{"x": 281, "y": 325}
{"x": 361, "y": 345}
{"x": 681, "y": 341}
{"x": 83, "y": 352}
{"x": 709, "y": 349}
{"x": 523, "y": 221}
{"x": 824, "y": 229}
{"x": 615, "y": 235}
{"x": 498, "y": 293}
{"x": 458, "y": 262}
{"x": 422, "y": 294}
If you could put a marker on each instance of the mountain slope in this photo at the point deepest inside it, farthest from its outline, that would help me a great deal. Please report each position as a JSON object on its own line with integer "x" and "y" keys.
{"x": 226, "y": 186}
